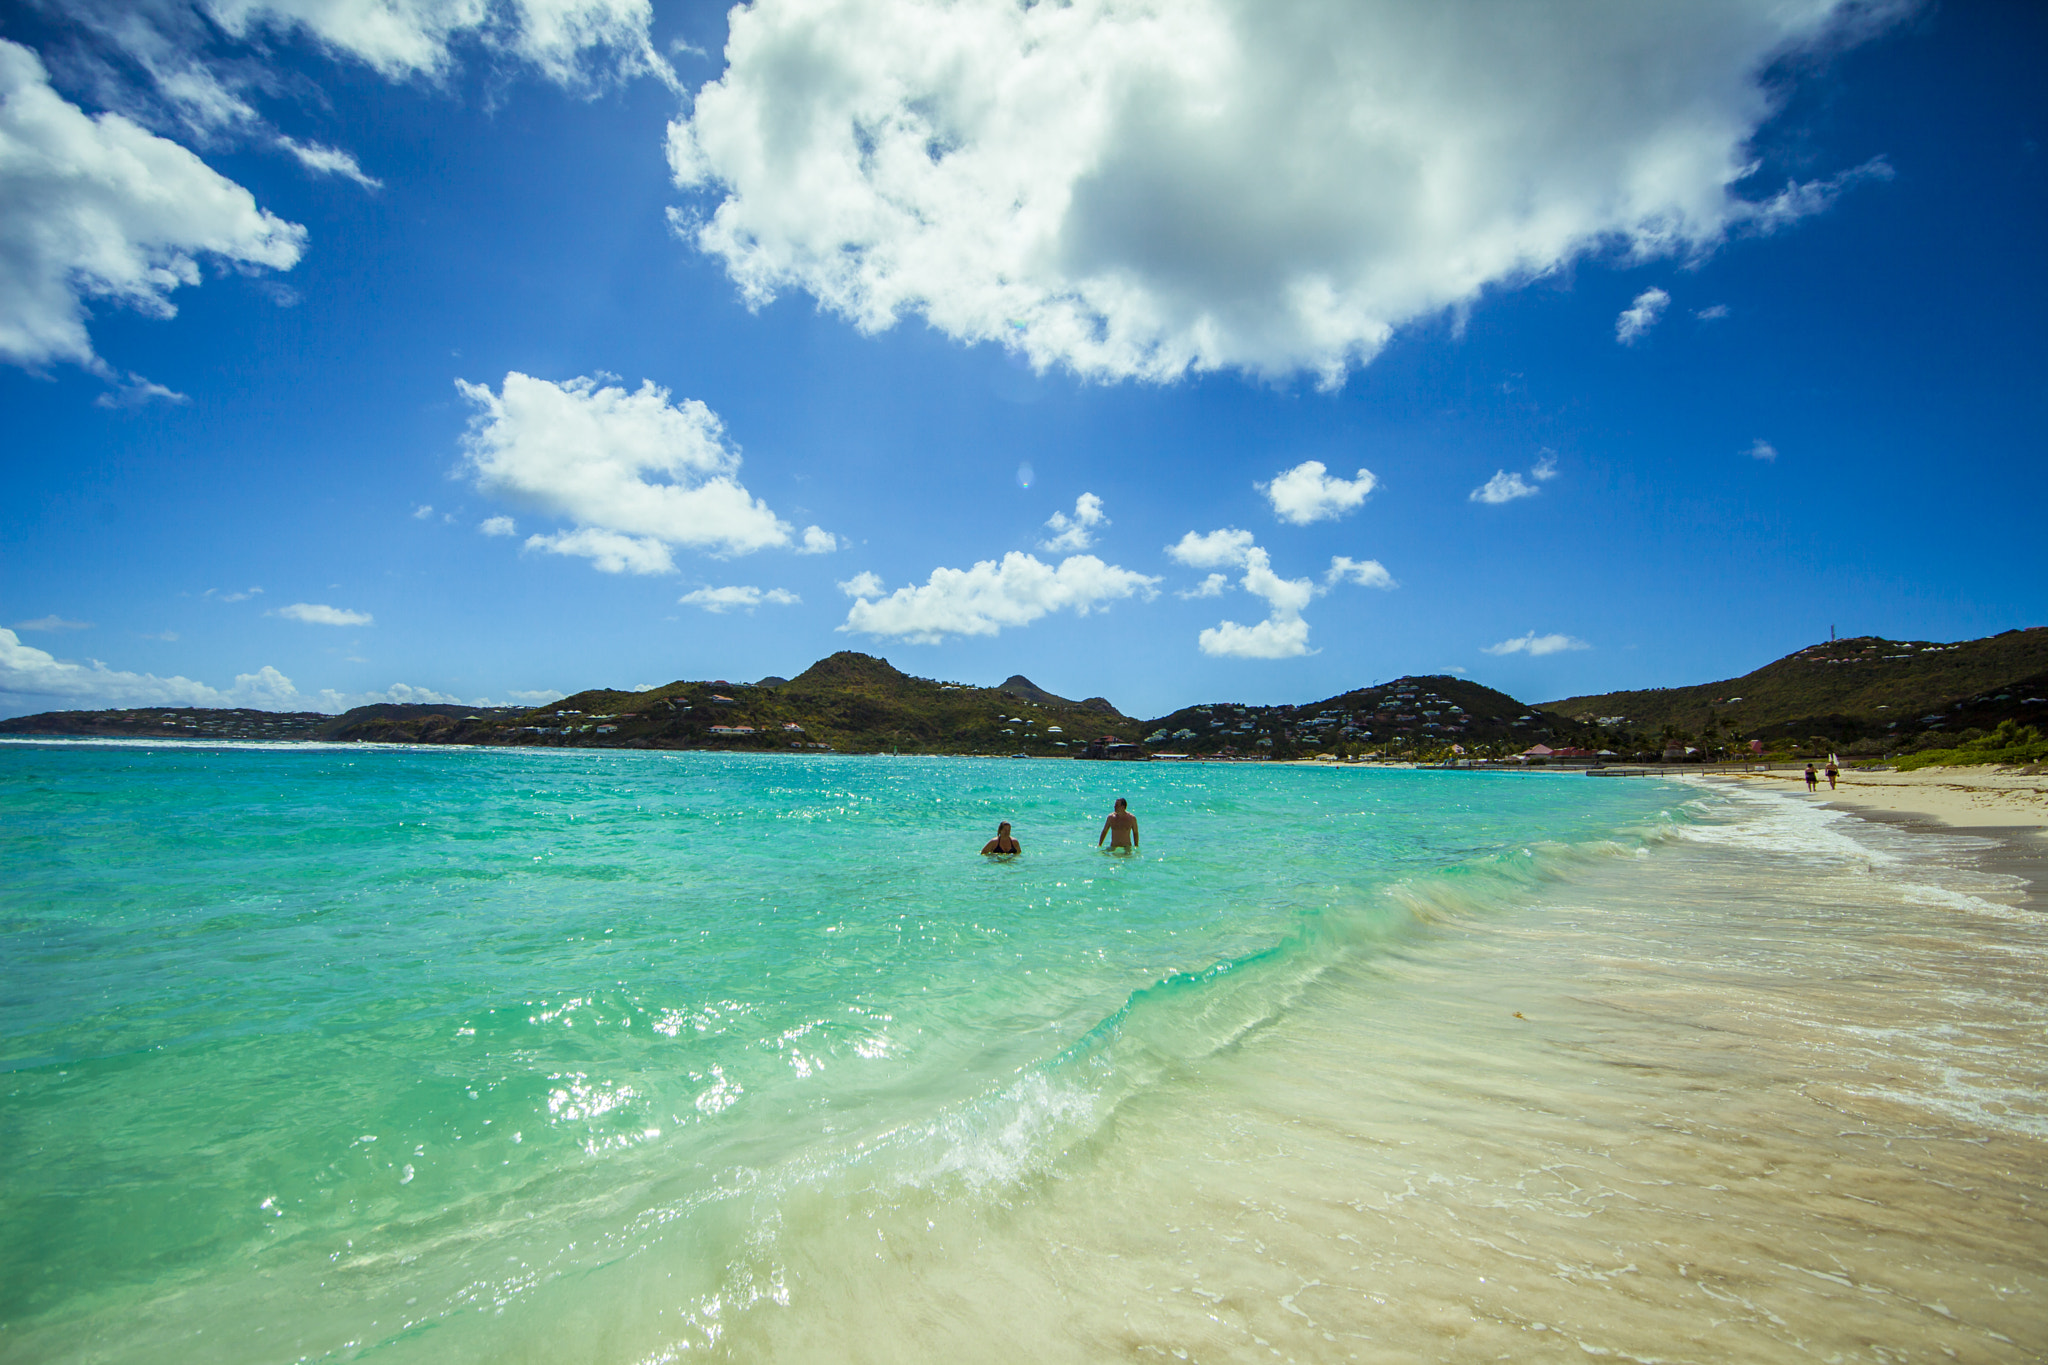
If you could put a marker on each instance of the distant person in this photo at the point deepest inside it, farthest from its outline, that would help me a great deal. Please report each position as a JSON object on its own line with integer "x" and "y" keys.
{"x": 1833, "y": 773}
{"x": 1121, "y": 829}
{"x": 1812, "y": 779}
{"x": 1003, "y": 844}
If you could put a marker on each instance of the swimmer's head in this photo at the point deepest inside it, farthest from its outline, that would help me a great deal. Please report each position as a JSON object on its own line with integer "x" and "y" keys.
{"x": 1120, "y": 803}
{"x": 1003, "y": 828}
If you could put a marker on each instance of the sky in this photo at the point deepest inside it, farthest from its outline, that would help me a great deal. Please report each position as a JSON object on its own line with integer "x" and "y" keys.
{"x": 1173, "y": 351}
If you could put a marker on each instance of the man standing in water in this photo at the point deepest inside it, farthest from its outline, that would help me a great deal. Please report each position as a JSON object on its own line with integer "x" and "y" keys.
{"x": 1121, "y": 829}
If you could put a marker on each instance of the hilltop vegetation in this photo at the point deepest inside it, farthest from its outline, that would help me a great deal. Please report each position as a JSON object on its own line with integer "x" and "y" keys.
{"x": 1970, "y": 701}
{"x": 1866, "y": 695}
{"x": 848, "y": 703}
{"x": 1413, "y": 717}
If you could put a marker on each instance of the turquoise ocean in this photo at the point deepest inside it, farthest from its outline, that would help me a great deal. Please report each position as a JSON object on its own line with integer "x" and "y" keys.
{"x": 339, "y": 1053}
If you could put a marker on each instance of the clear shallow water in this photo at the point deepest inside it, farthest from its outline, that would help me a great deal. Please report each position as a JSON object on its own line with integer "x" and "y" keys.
{"x": 460, "y": 1055}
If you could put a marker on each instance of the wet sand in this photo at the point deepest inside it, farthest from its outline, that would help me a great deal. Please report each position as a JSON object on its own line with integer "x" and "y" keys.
{"x": 1982, "y": 798}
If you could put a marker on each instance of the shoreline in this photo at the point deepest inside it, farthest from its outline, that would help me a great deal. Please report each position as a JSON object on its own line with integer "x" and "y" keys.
{"x": 1997, "y": 803}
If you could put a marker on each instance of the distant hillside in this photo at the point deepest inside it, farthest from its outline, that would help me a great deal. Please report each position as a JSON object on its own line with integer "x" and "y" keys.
{"x": 1867, "y": 694}
{"x": 1017, "y": 685}
{"x": 1862, "y": 696}
{"x": 1413, "y": 716}
{"x": 849, "y": 702}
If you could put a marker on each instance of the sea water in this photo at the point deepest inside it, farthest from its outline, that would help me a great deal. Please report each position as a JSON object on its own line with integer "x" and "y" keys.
{"x": 358, "y": 1053}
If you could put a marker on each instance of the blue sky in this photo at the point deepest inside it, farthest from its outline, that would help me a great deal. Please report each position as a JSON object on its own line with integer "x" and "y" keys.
{"x": 440, "y": 349}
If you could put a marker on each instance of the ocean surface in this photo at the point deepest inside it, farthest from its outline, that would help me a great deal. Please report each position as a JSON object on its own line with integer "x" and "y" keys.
{"x": 411, "y": 1055}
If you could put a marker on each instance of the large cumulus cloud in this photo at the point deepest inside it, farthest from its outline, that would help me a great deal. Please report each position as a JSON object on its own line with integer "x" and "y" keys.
{"x": 1137, "y": 188}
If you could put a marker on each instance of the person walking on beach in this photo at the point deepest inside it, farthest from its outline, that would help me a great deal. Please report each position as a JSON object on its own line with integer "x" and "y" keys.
{"x": 1003, "y": 843}
{"x": 1833, "y": 773}
{"x": 1121, "y": 829}
{"x": 1812, "y": 779}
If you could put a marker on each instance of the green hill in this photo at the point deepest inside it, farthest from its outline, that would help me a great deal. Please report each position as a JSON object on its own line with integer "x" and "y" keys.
{"x": 1409, "y": 717}
{"x": 1861, "y": 696}
{"x": 849, "y": 703}
{"x": 1866, "y": 695}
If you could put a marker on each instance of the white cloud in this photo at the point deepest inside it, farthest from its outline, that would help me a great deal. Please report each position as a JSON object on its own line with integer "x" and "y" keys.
{"x": 1365, "y": 573}
{"x": 818, "y": 541}
{"x": 1306, "y": 493}
{"x": 135, "y": 392}
{"x": 1545, "y": 468}
{"x": 1283, "y": 634}
{"x": 1276, "y": 637}
{"x": 217, "y": 595}
{"x": 1537, "y": 645}
{"x": 608, "y": 550}
{"x": 34, "y": 678}
{"x": 1640, "y": 316}
{"x": 99, "y": 208}
{"x": 1070, "y": 534}
{"x": 1713, "y": 314}
{"x": 329, "y": 161}
{"x": 1212, "y": 586}
{"x": 1504, "y": 487}
{"x": 498, "y": 526}
{"x": 52, "y": 623}
{"x": 634, "y": 471}
{"x": 1760, "y": 449}
{"x": 29, "y": 673}
{"x": 318, "y": 614}
{"x": 864, "y": 584}
{"x": 982, "y": 600}
{"x": 423, "y": 511}
{"x": 721, "y": 600}
{"x": 1218, "y": 549}
{"x": 403, "y": 39}
{"x": 541, "y": 696}
{"x": 1136, "y": 190}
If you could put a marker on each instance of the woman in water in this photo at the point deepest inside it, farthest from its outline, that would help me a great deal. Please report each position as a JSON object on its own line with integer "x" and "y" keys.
{"x": 1003, "y": 843}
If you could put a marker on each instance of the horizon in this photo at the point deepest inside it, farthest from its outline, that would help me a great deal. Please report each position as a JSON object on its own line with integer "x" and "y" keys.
{"x": 469, "y": 360}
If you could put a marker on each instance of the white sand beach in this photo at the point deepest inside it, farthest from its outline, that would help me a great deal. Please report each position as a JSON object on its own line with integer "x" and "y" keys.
{"x": 1981, "y": 797}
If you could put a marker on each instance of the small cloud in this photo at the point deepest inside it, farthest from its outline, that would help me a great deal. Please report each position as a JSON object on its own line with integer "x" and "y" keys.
{"x": 1306, "y": 493}
{"x": 1504, "y": 487}
{"x": 319, "y": 614}
{"x": 329, "y": 161}
{"x": 217, "y": 595}
{"x": 135, "y": 391}
{"x": 1640, "y": 316}
{"x": 990, "y": 597}
{"x": 1546, "y": 467}
{"x": 1071, "y": 534}
{"x": 1713, "y": 314}
{"x": 539, "y": 697}
{"x": 1760, "y": 449}
{"x": 1458, "y": 672}
{"x": 498, "y": 526}
{"x": 722, "y": 600}
{"x": 52, "y": 623}
{"x": 609, "y": 551}
{"x": 423, "y": 511}
{"x": 818, "y": 541}
{"x": 1537, "y": 645}
{"x": 167, "y": 636}
{"x": 864, "y": 585}
{"x": 1213, "y": 586}
{"x": 1218, "y": 549}
{"x": 1366, "y": 573}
